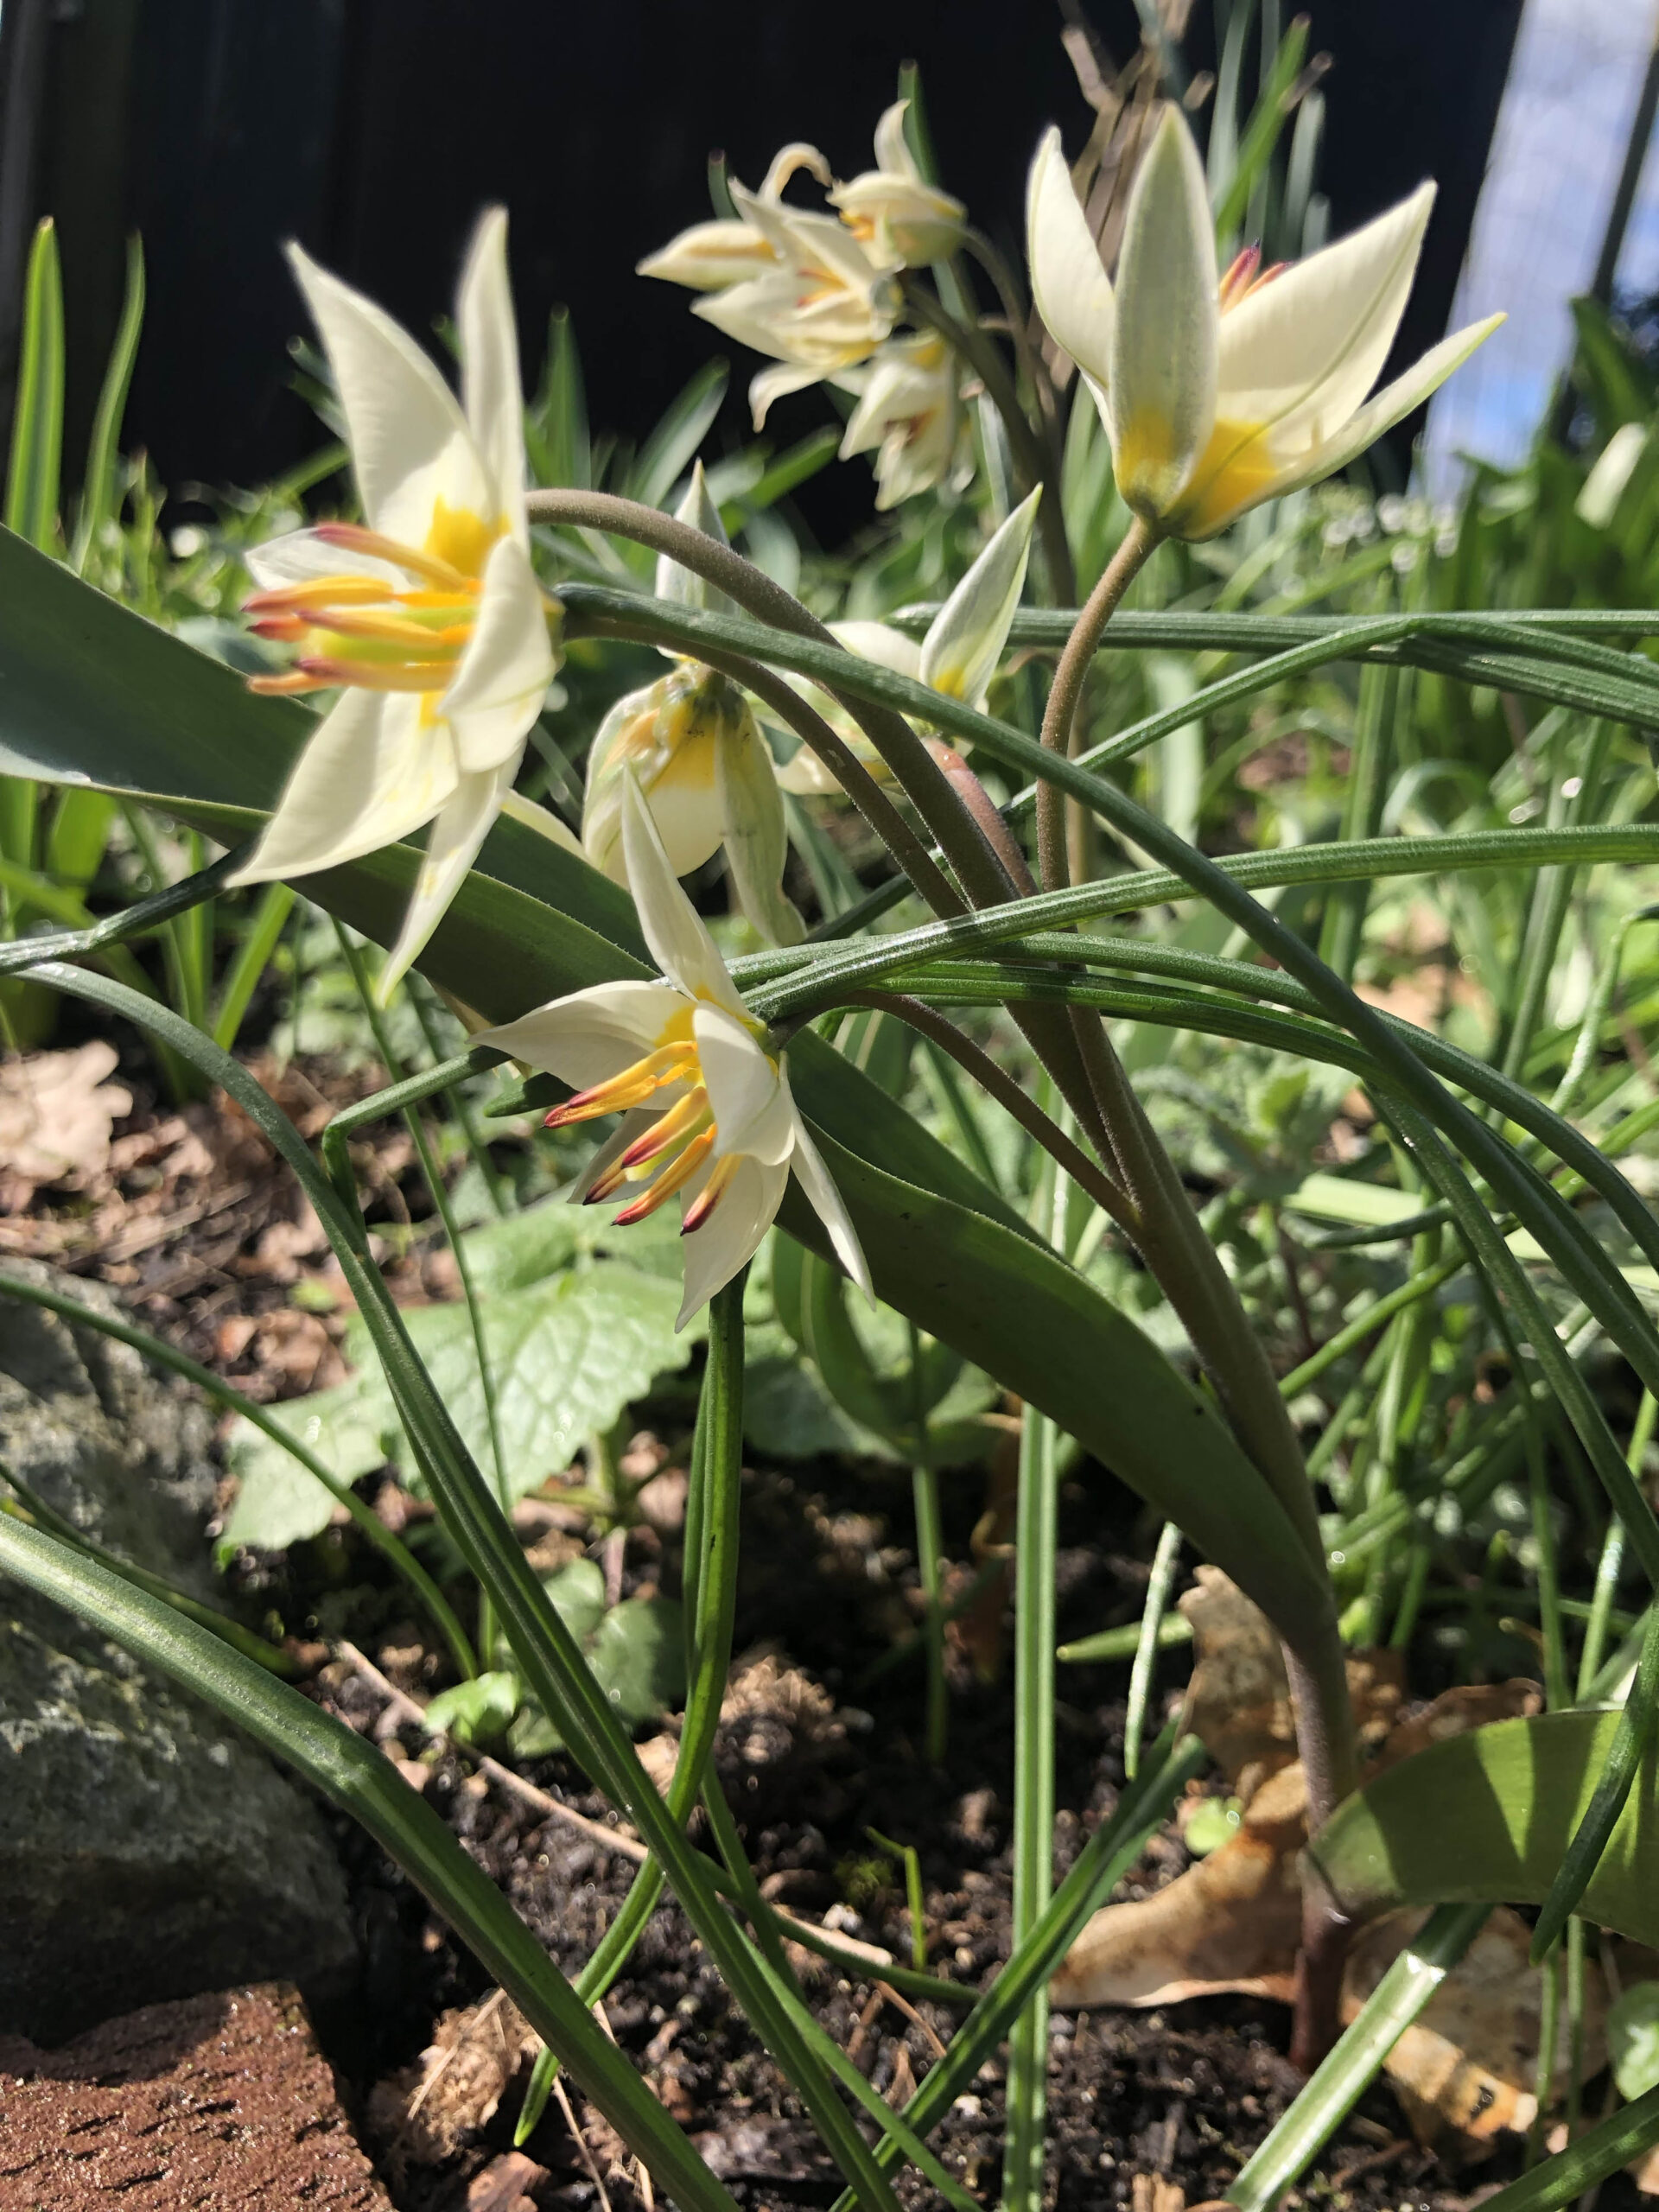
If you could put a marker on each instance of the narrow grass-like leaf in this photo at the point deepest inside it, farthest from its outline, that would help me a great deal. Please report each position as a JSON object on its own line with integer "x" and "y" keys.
{"x": 97, "y": 491}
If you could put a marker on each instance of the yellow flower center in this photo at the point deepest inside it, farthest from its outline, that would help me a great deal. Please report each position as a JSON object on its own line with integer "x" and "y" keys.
{"x": 365, "y": 631}
{"x": 676, "y": 1145}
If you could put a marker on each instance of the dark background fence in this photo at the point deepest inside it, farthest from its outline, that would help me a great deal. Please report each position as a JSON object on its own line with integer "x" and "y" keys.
{"x": 374, "y": 130}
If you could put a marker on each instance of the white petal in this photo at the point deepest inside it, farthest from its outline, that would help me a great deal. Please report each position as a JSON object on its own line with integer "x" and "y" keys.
{"x": 731, "y": 1235}
{"x": 767, "y": 385}
{"x": 880, "y": 643}
{"x": 684, "y": 587}
{"x": 1068, "y": 280}
{"x": 753, "y": 830}
{"x": 491, "y": 389}
{"x": 409, "y": 442}
{"x": 591, "y": 1035}
{"x": 893, "y": 154}
{"x": 679, "y": 943}
{"x": 542, "y": 821}
{"x": 798, "y": 154}
{"x": 508, "y": 663}
{"x": 1162, "y": 383}
{"x": 965, "y": 640}
{"x": 374, "y": 772}
{"x": 301, "y": 557}
{"x": 709, "y": 256}
{"x": 1303, "y": 351}
{"x": 452, "y": 846}
{"x": 747, "y": 1094}
{"x": 825, "y": 1201}
{"x": 1391, "y": 405}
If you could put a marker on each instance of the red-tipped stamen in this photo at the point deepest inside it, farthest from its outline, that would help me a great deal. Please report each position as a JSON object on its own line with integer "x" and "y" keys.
{"x": 680, "y": 1118}
{"x": 383, "y": 675}
{"x": 667, "y": 1063}
{"x": 1267, "y": 277}
{"x": 371, "y": 542}
{"x": 321, "y": 591}
{"x": 291, "y": 686}
{"x": 389, "y": 628}
{"x": 709, "y": 1197}
{"x": 1241, "y": 272}
{"x": 676, "y": 1172}
{"x": 282, "y": 627}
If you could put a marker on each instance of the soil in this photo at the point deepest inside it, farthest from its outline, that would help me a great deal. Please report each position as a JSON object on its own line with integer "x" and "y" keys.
{"x": 828, "y": 1745}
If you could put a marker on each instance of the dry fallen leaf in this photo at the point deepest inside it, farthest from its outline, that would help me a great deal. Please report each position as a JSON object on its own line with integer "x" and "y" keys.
{"x": 426, "y": 2113}
{"x": 56, "y": 1111}
{"x": 1229, "y": 1922}
{"x": 1238, "y": 1699}
{"x": 1232, "y": 1921}
{"x": 1467, "y": 2067}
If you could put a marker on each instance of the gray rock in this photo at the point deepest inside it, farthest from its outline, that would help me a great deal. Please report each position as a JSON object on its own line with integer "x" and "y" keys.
{"x": 147, "y": 1850}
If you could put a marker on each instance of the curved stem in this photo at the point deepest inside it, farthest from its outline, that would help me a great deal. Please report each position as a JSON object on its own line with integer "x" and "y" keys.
{"x": 1008, "y": 1094}
{"x": 1061, "y": 713}
{"x": 1036, "y": 467}
{"x": 878, "y": 810}
{"x": 958, "y": 836}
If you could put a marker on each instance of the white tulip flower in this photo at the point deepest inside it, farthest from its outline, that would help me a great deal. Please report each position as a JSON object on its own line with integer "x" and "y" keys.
{"x": 957, "y": 657}
{"x": 428, "y": 620}
{"x": 820, "y": 305}
{"x": 903, "y": 221}
{"x": 1218, "y": 393}
{"x": 711, "y": 256}
{"x": 910, "y": 414}
{"x": 708, "y": 1117}
{"x": 691, "y": 743}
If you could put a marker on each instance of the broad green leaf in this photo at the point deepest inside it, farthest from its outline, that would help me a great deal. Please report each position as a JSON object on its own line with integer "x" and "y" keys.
{"x": 479, "y": 1711}
{"x": 578, "y": 1594}
{"x": 569, "y": 1355}
{"x": 1487, "y": 1817}
{"x": 638, "y": 1655}
{"x": 1633, "y": 2039}
{"x": 278, "y": 1503}
{"x": 91, "y": 693}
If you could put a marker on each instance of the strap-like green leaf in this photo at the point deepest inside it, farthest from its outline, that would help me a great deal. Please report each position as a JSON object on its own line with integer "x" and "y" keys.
{"x": 1487, "y": 1819}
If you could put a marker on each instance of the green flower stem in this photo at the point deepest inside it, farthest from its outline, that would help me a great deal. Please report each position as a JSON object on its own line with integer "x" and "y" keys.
{"x": 1033, "y": 1771}
{"x": 397, "y": 1554}
{"x": 1140, "y": 541}
{"x": 252, "y": 958}
{"x": 362, "y": 1783}
{"x": 1348, "y": 2071}
{"x": 712, "y": 1526}
{"x": 978, "y": 350}
{"x": 497, "y": 1185}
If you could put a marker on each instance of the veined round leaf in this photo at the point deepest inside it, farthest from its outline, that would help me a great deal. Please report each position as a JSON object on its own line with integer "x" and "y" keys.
{"x": 1486, "y": 1818}
{"x": 1633, "y": 2039}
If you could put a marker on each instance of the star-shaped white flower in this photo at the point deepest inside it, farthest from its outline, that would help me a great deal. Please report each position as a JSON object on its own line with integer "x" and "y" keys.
{"x": 428, "y": 619}
{"x": 1219, "y": 392}
{"x": 707, "y": 1112}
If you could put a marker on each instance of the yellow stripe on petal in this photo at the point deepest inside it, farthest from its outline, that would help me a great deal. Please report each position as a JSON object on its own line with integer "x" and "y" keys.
{"x": 1236, "y": 469}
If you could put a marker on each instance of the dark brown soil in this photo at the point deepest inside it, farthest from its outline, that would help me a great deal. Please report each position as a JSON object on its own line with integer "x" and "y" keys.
{"x": 212, "y": 2101}
{"x": 1185, "y": 2092}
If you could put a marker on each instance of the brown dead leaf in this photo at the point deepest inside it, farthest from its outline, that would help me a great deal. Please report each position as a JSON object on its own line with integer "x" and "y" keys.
{"x": 505, "y": 2183}
{"x": 1238, "y": 1701}
{"x": 1467, "y": 2067}
{"x": 1229, "y": 1922}
{"x": 426, "y": 2113}
{"x": 1155, "y": 2193}
{"x": 56, "y": 1112}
